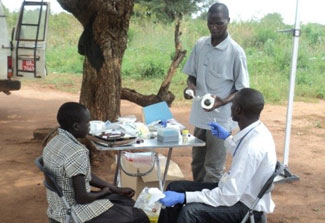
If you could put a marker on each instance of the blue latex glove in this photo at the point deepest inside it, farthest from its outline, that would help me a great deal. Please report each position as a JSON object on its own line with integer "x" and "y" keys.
{"x": 172, "y": 198}
{"x": 218, "y": 131}
{"x": 163, "y": 123}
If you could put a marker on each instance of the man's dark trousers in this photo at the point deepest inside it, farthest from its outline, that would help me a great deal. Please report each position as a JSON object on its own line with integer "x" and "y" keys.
{"x": 202, "y": 213}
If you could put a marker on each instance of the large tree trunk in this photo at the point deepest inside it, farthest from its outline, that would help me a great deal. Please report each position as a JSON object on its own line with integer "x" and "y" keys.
{"x": 108, "y": 23}
{"x": 103, "y": 43}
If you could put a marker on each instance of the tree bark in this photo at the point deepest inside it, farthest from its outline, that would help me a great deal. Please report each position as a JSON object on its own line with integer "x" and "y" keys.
{"x": 101, "y": 88}
{"x": 163, "y": 94}
{"x": 108, "y": 23}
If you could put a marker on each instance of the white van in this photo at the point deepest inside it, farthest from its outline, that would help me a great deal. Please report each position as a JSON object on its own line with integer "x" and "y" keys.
{"x": 23, "y": 55}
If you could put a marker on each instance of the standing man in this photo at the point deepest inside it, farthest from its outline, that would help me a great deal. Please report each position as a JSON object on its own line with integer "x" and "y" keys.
{"x": 253, "y": 162}
{"x": 217, "y": 65}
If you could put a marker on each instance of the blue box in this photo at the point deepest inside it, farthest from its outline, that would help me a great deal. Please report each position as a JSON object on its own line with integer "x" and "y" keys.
{"x": 156, "y": 112}
{"x": 168, "y": 135}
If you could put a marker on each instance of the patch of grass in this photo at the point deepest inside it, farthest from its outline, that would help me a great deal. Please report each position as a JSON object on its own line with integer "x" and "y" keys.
{"x": 60, "y": 81}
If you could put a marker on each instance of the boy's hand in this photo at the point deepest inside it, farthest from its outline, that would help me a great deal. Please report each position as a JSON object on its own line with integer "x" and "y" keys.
{"x": 126, "y": 191}
{"x": 218, "y": 131}
{"x": 106, "y": 190}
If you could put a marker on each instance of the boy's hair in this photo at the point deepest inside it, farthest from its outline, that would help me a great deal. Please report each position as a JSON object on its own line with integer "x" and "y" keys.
{"x": 70, "y": 113}
{"x": 251, "y": 102}
{"x": 217, "y": 7}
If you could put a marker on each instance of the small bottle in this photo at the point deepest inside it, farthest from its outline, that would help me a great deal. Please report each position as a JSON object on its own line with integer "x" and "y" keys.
{"x": 185, "y": 134}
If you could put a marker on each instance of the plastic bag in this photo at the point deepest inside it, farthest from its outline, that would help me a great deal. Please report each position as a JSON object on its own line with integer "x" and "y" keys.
{"x": 140, "y": 159}
{"x": 148, "y": 201}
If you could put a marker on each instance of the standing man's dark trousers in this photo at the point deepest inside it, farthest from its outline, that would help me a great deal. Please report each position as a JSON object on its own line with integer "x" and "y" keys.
{"x": 202, "y": 213}
{"x": 208, "y": 162}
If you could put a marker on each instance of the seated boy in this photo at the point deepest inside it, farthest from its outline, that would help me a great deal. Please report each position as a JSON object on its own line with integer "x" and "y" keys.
{"x": 68, "y": 160}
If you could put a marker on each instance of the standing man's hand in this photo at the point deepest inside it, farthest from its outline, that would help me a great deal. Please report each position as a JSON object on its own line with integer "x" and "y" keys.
{"x": 218, "y": 131}
{"x": 188, "y": 96}
{"x": 191, "y": 85}
{"x": 217, "y": 103}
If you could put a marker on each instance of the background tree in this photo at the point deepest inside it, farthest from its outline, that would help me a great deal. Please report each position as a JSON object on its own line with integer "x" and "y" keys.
{"x": 165, "y": 11}
{"x": 169, "y": 10}
{"x": 103, "y": 43}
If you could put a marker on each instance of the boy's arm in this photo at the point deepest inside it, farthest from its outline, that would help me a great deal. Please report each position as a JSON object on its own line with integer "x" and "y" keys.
{"x": 81, "y": 194}
{"x": 99, "y": 183}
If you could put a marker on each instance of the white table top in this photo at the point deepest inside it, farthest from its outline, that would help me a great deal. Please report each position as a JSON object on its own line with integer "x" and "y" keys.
{"x": 154, "y": 143}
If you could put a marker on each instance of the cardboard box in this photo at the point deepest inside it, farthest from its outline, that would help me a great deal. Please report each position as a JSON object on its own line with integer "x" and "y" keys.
{"x": 150, "y": 180}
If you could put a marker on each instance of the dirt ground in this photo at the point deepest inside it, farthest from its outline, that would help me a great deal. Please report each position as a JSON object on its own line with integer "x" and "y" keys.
{"x": 22, "y": 195}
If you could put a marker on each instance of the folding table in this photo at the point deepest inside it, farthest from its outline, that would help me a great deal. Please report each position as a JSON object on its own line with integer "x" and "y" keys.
{"x": 151, "y": 145}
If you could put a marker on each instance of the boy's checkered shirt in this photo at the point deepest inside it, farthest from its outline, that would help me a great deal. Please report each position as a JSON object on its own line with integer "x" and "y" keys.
{"x": 65, "y": 157}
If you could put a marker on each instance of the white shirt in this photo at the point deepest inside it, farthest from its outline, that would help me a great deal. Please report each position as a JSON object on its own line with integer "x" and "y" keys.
{"x": 219, "y": 70}
{"x": 253, "y": 163}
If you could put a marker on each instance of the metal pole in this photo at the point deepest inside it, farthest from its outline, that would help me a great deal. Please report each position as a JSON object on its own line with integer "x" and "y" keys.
{"x": 158, "y": 172}
{"x": 296, "y": 35}
{"x": 170, "y": 150}
{"x": 117, "y": 179}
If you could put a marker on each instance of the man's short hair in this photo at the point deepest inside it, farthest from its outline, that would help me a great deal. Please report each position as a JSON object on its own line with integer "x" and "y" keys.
{"x": 219, "y": 7}
{"x": 250, "y": 101}
{"x": 70, "y": 113}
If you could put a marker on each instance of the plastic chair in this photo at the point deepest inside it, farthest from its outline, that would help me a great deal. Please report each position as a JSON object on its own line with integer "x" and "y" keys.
{"x": 50, "y": 183}
{"x": 268, "y": 187}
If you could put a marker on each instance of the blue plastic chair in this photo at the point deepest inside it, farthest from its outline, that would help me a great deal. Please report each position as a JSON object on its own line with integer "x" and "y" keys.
{"x": 50, "y": 183}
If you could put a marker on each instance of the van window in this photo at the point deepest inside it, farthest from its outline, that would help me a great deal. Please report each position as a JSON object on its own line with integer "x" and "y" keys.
{"x": 28, "y": 23}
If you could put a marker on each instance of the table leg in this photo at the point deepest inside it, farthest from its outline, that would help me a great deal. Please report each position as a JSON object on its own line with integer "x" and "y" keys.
{"x": 118, "y": 166}
{"x": 170, "y": 150}
{"x": 158, "y": 171}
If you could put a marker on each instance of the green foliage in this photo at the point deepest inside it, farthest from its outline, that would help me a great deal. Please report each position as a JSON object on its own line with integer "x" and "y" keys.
{"x": 62, "y": 52}
{"x": 152, "y": 70}
{"x": 314, "y": 33}
{"x": 151, "y": 46}
{"x": 168, "y": 10}
{"x": 68, "y": 62}
{"x": 11, "y": 18}
{"x": 273, "y": 20}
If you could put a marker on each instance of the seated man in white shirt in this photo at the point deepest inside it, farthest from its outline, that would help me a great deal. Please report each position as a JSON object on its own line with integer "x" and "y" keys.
{"x": 253, "y": 162}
